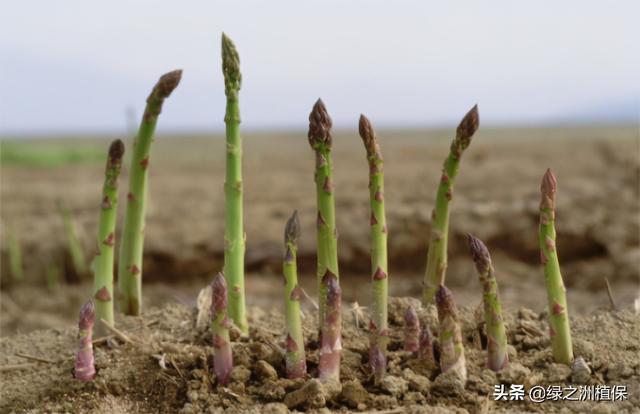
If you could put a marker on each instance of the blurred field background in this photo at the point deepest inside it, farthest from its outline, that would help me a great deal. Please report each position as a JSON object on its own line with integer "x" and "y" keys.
{"x": 496, "y": 198}
{"x": 555, "y": 88}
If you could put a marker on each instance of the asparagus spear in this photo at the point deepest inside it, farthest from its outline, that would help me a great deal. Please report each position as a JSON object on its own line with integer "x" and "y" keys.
{"x": 234, "y": 237}
{"x": 222, "y": 356}
{"x": 84, "y": 366}
{"x": 103, "y": 262}
{"x": 411, "y": 330}
{"x": 331, "y": 338}
{"x": 73, "y": 242}
{"x": 559, "y": 329}
{"x": 425, "y": 351}
{"x": 132, "y": 244}
{"x": 380, "y": 281}
{"x": 451, "y": 349}
{"x": 296, "y": 364}
{"x": 327, "y": 235}
{"x": 437, "y": 255}
{"x": 497, "y": 356}
{"x": 15, "y": 257}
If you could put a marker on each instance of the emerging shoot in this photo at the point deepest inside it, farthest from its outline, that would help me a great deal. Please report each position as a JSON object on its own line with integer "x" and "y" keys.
{"x": 84, "y": 369}
{"x": 295, "y": 361}
{"x": 437, "y": 255}
{"x": 411, "y": 330}
{"x": 222, "y": 356}
{"x": 379, "y": 273}
{"x": 559, "y": 328}
{"x": 132, "y": 244}
{"x": 451, "y": 348}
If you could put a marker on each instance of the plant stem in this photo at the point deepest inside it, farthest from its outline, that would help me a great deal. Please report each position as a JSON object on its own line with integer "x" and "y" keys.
{"x": 132, "y": 244}
{"x": 559, "y": 328}
{"x": 437, "y": 255}
{"x": 103, "y": 262}
{"x": 331, "y": 336}
{"x": 84, "y": 369}
{"x": 73, "y": 242}
{"x": 15, "y": 257}
{"x": 497, "y": 355}
{"x": 296, "y": 364}
{"x": 234, "y": 237}
{"x": 327, "y": 235}
{"x": 451, "y": 348}
{"x": 379, "y": 276}
{"x": 222, "y": 355}
{"x": 411, "y": 330}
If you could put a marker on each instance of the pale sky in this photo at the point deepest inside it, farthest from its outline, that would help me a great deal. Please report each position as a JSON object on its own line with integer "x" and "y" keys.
{"x": 75, "y": 66}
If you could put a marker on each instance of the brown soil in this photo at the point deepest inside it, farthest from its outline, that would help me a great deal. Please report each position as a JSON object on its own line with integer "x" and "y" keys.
{"x": 167, "y": 368}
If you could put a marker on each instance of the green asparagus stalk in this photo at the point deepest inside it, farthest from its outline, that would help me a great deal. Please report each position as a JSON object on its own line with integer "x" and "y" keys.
{"x": 330, "y": 332}
{"x": 411, "y": 330}
{"x": 73, "y": 242}
{"x": 222, "y": 355}
{"x": 132, "y": 244}
{"x": 497, "y": 356}
{"x": 559, "y": 328}
{"x": 379, "y": 277}
{"x": 84, "y": 369}
{"x": 234, "y": 237}
{"x": 437, "y": 255}
{"x": 15, "y": 257}
{"x": 103, "y": 262}
{"x": 451, "y": 348}
{"x": 327, "y": 235}
{"x": 296, "y": 365}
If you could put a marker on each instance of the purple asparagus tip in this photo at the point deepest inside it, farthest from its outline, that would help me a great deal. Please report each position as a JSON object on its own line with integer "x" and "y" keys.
{"x": 319, "y": 125}
{"x": 167, "y": 83}
{"x": 549, "y": 184}
{"x": 468, "y": 126}
{"x": 87, "y": 316}
{"x": 292, "y": 229}
{"x": 479, "y": 253}
{"x": 444, "y": 300}
{"x": 84, "y": 368}
{"x": 116, "y": 150}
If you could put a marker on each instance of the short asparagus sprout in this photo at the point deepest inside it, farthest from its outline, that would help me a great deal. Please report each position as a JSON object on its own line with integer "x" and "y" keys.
{"x": 222, "y": 355}
{"x": 559, "y": 328}
{"x": 295, "y": 361}
{"x": 379, "y": 277}
{"x": 76, "y": 251}
{"x": 15, "y": 257}
{"x": 84, "y": 369}
{"x": 425, "y": 350}
{"x": 451, "y": 348}
{"x": 132, "y": 244}
{"x": 411, "y": 330}
{"x": 497, "y": 355}
{"x": 103, "y": 262}
{"x": 234, "y": 237}
{"x": 327, "y": 236}
{"x": 437, "y": 255}
{"x": 331, "y": 336}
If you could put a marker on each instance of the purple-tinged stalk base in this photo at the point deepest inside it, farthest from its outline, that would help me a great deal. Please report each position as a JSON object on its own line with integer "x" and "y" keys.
{"x": 331, "y": 342}
{"x": 85, "y": 367}
{"x": 222, "y": 355}
{"x": 451, "y": 348}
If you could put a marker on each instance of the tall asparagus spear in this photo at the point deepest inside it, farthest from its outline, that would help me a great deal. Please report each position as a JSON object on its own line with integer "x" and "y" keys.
{"x": 103, "y": 262}
{"x": 497, "y": 356}
{"x": 559, "y": 329}
{"x": 411, "y": 330}
{"x": 451, "y": 348}
{"x": 331, "y": 335}
{"x": 222, "y": 356}
{"x": 84, "y": 369}
{"x": 296, "y": 364}
{"x": 327, "y": 235}
{"x": 437, "y": 256}
{"x": 132, "y": 244}
{"x": 234, "y": 237}
{"x": 379, "y": 278}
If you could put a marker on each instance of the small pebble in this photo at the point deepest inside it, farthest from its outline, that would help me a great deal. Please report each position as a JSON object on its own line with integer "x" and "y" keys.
{"x": 580, "y": 371}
